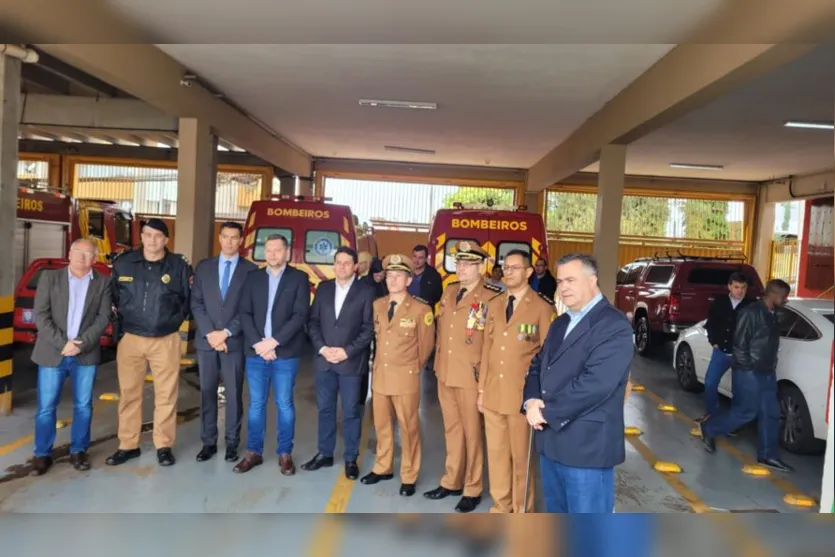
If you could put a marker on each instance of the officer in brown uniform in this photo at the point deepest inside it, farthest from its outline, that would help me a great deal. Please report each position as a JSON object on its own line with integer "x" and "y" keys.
{"x": 461, "y": 320}
{"x": 517, "y": 324}
{"x": 404, "y": 328}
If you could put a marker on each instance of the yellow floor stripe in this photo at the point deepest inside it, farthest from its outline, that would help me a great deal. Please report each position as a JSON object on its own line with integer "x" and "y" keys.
{"x": 784, "y": 485}
{"x": 672, "y": 480}
{"x": 341, "y": 494}
{"x": 17, "y": 444}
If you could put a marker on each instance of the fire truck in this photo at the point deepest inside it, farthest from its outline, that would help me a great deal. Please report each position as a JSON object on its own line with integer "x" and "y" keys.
{"x": 314, "y": 229}
{"x": 497, "y": 229}
{"x": 48, "y": 221}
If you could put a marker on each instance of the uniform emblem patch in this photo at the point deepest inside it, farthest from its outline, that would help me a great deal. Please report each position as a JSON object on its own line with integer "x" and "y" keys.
{"x": 395, "y": 260}
{"x": 464, "y": 246}
{"x": 428, "y": 318}
{"x": 166, "y": 279}
{"x": 125, "y": 279}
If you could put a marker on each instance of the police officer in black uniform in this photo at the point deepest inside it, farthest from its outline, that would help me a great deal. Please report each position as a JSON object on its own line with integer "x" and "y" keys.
{"x": 151, "y": 292}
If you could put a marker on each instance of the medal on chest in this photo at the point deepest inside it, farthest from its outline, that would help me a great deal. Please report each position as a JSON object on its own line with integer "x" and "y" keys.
{"x": 526, "y": 332}
{"x": 476, "y": 319}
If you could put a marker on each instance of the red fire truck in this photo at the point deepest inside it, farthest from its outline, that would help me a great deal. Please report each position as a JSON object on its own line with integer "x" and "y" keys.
{"x": 48, "y": 221}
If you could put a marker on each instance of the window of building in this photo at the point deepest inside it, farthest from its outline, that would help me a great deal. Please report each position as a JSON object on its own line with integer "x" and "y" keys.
{"x": 261, "y": 239}
{"x": 320, "y": 246}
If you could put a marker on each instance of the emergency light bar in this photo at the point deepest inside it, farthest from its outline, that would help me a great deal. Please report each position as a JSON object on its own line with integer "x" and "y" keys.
{"x": 489, "y": 206}
{"x": 285, "y": 197}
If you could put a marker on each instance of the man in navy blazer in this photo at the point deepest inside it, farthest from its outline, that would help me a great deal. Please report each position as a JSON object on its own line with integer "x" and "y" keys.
{"x": 574, "y": 394}
{"x": 215, "y": 297}
{"x": 341, "y": 329}
{"x": 274, "y": 310}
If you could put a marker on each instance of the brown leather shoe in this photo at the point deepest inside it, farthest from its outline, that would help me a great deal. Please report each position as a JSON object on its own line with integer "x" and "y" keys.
{"x": 80, "y": 461}
{"x": 40, "y": 464}
{"x": 285, "y": 461}
{"x": 248, "y": 462}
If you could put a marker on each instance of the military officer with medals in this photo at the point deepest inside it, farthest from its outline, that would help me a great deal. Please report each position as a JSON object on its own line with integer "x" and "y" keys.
{"x": 517, "y": 324}
{"x": 404, "y": 328}
{"x": 462, "y": 317}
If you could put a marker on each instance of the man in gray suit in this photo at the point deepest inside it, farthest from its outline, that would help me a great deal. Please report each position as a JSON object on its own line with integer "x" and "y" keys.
{"x": 219, "y": 341}
{"x": 72, "y": 310}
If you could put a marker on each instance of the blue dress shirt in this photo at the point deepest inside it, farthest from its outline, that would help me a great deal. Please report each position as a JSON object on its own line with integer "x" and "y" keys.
{"x": 274, "y": 282}
{"x": 577, "y": 316}
{"x": 75, "y": 307}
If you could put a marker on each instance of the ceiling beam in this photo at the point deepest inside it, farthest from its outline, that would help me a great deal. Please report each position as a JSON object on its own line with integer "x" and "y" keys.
{"x": 91, "y": 112}
{"x": 66, "y": 71}
{"x": 421, "y": 171}
{"x": 32, "y": 73}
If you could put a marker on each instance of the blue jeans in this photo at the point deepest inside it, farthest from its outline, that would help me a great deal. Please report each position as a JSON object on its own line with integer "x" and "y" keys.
{"x": 627, "y": 535}
{"x": 719, "y": 364}
{"x": 577, "y": 490}
{"x": 259, "y": 375}
{"x": 755, "y": 398}
{"x": 50, "y": 383}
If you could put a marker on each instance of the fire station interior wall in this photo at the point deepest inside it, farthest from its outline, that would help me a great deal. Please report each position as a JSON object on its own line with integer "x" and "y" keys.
{"x": 172, "y": 231}
{"x": 398, "y": 241}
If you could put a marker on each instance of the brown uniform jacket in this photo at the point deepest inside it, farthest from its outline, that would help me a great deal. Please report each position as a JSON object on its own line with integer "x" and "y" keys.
{"x": 461, "y": 334}
{"x": 510, "y": 347}
{"x": 403, "y": 345}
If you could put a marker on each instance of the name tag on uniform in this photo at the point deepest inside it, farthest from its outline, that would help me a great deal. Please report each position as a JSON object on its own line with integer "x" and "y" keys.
{"x": 125, "y": 279}
{"x": 408, "y": 323}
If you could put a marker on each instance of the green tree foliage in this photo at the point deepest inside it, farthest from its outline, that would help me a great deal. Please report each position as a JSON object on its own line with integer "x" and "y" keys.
{"x": 787, "y": 216}
{"x": 500, "y": 196}
{"x": 706, "y": 220}
{"x": 576, "y": 212}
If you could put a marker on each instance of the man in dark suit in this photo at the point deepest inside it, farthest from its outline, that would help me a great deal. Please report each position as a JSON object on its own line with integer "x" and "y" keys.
{"x": 72, "y": 310}
{"x": 215, "y": 297}
{"x": 274, "y": 308}
{"x": 341, "y": 329}
{"x": 574, "y": 394}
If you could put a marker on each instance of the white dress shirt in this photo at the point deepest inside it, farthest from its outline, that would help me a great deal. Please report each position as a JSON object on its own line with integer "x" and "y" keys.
{"x": 340, "y": 293}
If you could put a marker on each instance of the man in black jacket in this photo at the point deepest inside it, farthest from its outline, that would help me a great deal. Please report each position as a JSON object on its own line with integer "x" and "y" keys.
{"x": 721, "y": 321}
{"x": 151, "y": 292}
{"x": 756, "y": 342}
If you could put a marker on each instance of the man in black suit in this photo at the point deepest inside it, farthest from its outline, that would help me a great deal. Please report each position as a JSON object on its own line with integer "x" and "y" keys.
{"x": 215, "y": 296}
{"x": 274, "y": 308}
{"x": 341, "y": 329}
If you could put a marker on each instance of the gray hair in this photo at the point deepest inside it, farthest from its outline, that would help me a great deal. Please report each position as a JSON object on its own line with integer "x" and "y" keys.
{"x": 272, "y": 237}
{"x": 589, "y": 262}
{"x": 87, "y": 241}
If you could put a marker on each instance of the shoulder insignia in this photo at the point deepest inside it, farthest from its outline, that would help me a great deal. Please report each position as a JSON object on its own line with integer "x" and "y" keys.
{"x": 492, "y": 288}
{"x": 184, "y": 258}
{"x": 421, "y": 300}
{"x": 546, "y": 298}
{"x": 428, "y": 319}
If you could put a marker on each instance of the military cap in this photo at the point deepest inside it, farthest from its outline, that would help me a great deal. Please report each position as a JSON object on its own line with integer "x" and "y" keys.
{"x": 398, "y": 262}
{"x": 470, "y": 251}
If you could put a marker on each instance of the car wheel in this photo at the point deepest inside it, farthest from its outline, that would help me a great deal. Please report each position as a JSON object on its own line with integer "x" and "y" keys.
{"x": 643, "y": 338}
{"x": 797, "y": 434}
{"x": 686, "y": 370}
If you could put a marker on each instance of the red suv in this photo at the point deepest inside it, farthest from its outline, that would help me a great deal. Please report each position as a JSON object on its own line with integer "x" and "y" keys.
{"x": 667, "y": 293}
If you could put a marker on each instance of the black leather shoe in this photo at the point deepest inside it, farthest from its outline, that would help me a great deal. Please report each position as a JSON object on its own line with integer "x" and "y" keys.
{"x": 80, "y": 461}
{"x": 352, "y": 471}
{"x": 775, "y": 464}
{"x": 317, "y": 462}
{"x": 407, "y": 490}
{"x": 441, "y": 492}
{"x": 40, "y": 465}
{"x": 371, "y": 478}
{"x": 165, "y": 457}
{"x": 708, "y": 442}
{"x": 231, "y": 455}
{"x": 467, "y": 504}
{"x": 120, "y": 457}
{"x": 207, "y": 452}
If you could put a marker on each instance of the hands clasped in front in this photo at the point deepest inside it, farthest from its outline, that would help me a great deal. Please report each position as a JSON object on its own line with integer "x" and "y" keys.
{"x": 334, "y": 355}
{"x": 266, "y": 349}
{"x": 217, "y": 340}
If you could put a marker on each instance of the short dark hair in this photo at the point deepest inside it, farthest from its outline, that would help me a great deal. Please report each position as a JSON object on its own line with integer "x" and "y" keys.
{"x": 421, "y": 247}
{"x": 232, "y": 224}
{"x": 272, "y": 237}
{"x": 538, "y": 259}
{"x": 526, "y": 257}
{"x": 777, "y": 284}
{"x": 589, "y": 261}
{"x": 736, "y": 276}
{"x": 349, "y": 251}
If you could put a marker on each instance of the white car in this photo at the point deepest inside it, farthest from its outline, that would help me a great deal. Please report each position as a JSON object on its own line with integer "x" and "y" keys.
{"x": 805, "y": 355}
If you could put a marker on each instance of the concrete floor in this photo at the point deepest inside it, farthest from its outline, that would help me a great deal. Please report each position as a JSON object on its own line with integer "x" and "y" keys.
{"x": 707, "y": 482}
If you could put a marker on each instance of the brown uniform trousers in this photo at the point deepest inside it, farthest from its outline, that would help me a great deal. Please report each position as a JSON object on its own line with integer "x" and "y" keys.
{"x": 457, "y": 364}
{"x": 133, "y": 355}
{"x": 403, "y": 346}
{"x": 508, "y": 351}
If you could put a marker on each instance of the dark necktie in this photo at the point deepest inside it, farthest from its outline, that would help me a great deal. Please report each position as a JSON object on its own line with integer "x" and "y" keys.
{"x": 460, "y": 295}
{"x": 508, "y": 312}
{"x": 391, "y": 310}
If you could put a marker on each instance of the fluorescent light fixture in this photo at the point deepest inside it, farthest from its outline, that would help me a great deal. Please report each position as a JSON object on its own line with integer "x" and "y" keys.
{"x": 696, "y": 166}
{"x": 409, "y": 150}
{"x": 810, "y": 125}
{"x": 398, "y": 104}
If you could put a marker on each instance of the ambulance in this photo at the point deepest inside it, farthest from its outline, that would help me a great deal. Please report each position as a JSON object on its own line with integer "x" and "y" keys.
{"x": 314, "y": 229}
{"x": 498, "y": 229}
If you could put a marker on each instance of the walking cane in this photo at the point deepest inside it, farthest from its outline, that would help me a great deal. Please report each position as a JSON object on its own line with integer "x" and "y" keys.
{"x": 528, "y": 473}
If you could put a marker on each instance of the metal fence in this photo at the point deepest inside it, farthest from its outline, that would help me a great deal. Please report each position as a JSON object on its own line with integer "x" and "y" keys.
{"x": 785, "y": 257}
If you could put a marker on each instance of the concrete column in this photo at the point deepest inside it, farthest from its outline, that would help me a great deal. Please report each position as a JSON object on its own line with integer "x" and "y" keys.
{"x": 763, "y": 235}
{"x": 531, "y": 200}
{"x": 287, "y": 185}
{"x": 610, "y": 182}
{"x": 196, "y": 189}
{"x": 305, "y": 186}
{"x": 9, "y": 106}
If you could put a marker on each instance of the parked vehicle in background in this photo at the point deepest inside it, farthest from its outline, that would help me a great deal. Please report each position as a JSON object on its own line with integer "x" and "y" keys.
{"x": 667, "y": 293}
{"x": 806, "y": 334}
{"x": 498, "y": 230}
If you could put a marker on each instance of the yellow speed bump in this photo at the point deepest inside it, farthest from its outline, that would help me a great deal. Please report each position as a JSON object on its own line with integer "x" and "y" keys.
{"x": 756, "y": 470}
{"x": 638, "y": 388}
{"x": 667, "y": 408}
{"x": 188, "y": 362}
{"x": 632, "y": 431}
{"x": 109, "y": 396}
{"x": 60, "y": 424}
{"x": 799, "y": 500}
{"x": 668, "y": 467}
{"x": 696, "y": 432}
